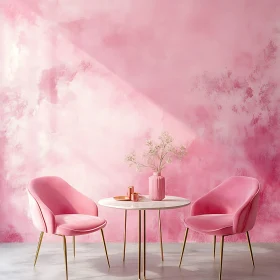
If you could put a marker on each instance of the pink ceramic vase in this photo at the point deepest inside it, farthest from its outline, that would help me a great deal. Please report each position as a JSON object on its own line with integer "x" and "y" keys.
{"x": 156, "y": 187}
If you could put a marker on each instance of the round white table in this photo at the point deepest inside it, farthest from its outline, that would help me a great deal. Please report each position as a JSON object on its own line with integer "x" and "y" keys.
{"x": 170, "y": 202}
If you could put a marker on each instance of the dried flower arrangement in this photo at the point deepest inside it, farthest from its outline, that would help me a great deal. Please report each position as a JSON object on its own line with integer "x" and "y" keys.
{"x": 158, "y": 154}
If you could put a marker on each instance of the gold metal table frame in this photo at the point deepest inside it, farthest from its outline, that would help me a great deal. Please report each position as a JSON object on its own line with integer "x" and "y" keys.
{"x": 170, "y": 202}
{"x": 160, "y": 233}
{"x": 140, "y": 233}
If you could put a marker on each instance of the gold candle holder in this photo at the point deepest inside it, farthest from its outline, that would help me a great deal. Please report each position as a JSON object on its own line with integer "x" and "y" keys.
{"x": 130, "y": 192}
{"x": 135, "y": 197}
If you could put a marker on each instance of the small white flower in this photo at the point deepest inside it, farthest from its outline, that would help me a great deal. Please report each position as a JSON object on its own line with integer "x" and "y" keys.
{"x": 149, "y": 142}
{"x": 157, "y": 154}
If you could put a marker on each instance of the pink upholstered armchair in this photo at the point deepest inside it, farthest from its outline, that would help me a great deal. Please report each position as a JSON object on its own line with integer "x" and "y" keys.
{"x": 228, "y": 209}
{"x": 57, "y": 208}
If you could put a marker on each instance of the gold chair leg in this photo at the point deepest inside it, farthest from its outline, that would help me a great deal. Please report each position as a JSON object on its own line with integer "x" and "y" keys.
{"x": 215, "y": 239}
{"x": 74, "y": 246}
{"x": 104, "y": 243}
{"x": 160, "y": 234}
{"x": 184, "y": 245}
{"x": 38, "y": 247}
{"x": 250, "y": 247}
{"x": 65, "y": 255}
{"x": 124, "y": 242}
{"x": 144, "y": 244}
{"x": 139, "y": 248}
{"x": 222, "y": 254}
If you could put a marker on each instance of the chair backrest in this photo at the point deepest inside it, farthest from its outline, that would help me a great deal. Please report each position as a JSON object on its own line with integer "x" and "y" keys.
{"x": 236, "y": 195}
{"x": 53, "y": 196}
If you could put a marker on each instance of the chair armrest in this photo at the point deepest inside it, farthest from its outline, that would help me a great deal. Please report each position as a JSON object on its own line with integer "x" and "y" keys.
{"x": 42, "y": 216}
{"x": 209, "y": 204}
{"x": 245, "y": 216}
{"x": 49, "y": 218}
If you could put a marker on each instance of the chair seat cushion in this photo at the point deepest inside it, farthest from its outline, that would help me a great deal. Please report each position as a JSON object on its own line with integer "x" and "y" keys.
{"x": 78, "y": 224}
{"x": 215, "y": 224}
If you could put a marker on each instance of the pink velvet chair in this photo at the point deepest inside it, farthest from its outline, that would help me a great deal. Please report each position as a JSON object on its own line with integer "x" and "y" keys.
{"x": 228, "y": 209}
{"x": 57, "y": 208}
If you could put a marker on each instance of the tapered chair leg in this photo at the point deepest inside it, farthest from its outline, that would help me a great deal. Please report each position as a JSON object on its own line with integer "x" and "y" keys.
{"x": 215, "y": 239}
{"x": 222, "y": 254}
{"x": 104, "y": 243}
{"x": 160, "y": 235}
{"x": 250, "y": 248}
{"x": 74, "y": 246}
{"x": 38, "y": 247}
{"x": 184, "y": 245}
{"x": 65, "y": 255}
{"x": 124, "y": 241}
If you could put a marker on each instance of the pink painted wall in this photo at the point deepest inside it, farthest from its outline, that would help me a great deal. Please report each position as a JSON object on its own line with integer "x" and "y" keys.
{"x": 83, "y": 84}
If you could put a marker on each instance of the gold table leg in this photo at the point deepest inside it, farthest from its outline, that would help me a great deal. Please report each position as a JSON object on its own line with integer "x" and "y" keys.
{"x": 38, "y": 247}
{"x": 145, "y": 244}
{"x": 139, "y": 249}
{"x": 124, "y": 242}
{"x": 160, "y": 234}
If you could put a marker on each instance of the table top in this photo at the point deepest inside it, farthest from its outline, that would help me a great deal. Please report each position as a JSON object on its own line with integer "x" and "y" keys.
{"x": 169, "y": 202}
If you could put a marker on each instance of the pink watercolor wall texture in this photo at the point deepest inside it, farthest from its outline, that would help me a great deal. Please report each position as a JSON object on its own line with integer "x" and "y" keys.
{"x": 84, "y": 82}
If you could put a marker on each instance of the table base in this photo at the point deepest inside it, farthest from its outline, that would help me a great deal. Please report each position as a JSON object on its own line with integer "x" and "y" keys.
{"x": 160, "y": 234}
